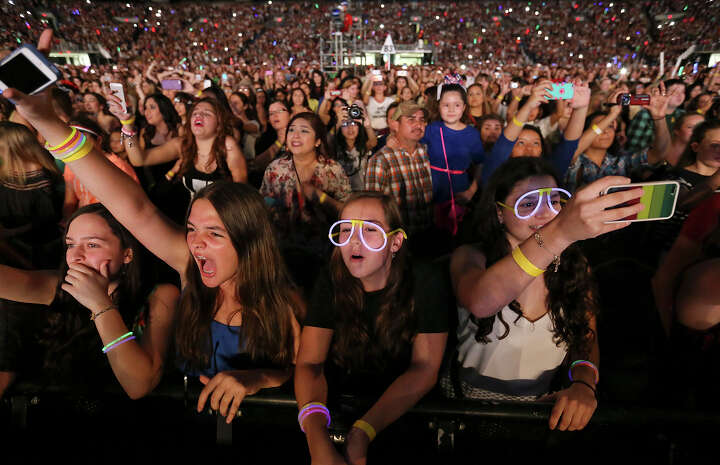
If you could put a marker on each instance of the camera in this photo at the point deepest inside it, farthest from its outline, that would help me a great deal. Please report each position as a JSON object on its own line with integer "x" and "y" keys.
{"x": 629, "y": 99}
{"x": 354, "y": 112}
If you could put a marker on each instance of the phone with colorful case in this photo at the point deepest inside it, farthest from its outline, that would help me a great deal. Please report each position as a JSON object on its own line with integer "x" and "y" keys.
{"x": 562, "y": 91}
{"x": 658, "y": 198}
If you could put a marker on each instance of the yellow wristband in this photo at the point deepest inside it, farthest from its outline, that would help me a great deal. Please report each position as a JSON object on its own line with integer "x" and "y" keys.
{"x": 597, "y": 130}
{"x": 526, "y": 265}
{"x": 277, "y": 142}
{"x": 127, "y": 122}
{"x": 519, "y": 99}
{"x": 67, "y": 139}
{"x": 366, "y": 428}
{"x": 517, "y": 122}
{"x": 700, "y": 112}
{"x": 84, "y": 150}
{"x": 322, "y": 198}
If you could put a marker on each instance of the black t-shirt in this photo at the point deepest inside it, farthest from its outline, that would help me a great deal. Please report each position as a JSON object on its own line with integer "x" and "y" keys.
{"x": 431, "y": 298}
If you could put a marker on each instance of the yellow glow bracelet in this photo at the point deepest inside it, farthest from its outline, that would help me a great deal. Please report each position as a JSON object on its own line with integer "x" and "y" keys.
{"x": 84, "y": 150}
{"x": 526, "y": 265}
{"x": 366, "y": 427}
{"x": 72, "y": 134}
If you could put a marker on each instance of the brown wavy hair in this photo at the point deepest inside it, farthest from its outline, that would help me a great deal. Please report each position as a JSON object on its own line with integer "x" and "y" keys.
{"x": 263, "y": 288}
{"x": 571, "y": 291}
{"x": 189, "y": 146}
{"x": 395, "y": 324}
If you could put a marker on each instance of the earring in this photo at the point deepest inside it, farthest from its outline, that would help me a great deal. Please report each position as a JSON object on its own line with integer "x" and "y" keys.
{"x": 394, "y": 254}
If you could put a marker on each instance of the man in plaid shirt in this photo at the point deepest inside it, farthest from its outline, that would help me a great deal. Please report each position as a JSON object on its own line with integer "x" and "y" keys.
{"x": 641, "y": 130}
{"x": 403, "y": 171}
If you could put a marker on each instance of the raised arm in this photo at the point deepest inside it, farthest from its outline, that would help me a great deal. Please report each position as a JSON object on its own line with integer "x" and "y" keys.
{"x": 484, "y": 291}
{"x": 118, "y": 192}
{"x": 659, "y": 99}
{"x": 591, "y": 133}
{"x": 171, "y": 150}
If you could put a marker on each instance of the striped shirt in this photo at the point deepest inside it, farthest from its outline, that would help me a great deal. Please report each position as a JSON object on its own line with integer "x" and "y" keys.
{"x": 405, "y": 176}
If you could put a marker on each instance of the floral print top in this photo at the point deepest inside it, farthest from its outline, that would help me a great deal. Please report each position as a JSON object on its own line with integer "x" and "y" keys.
{"x": 281, "y": 191}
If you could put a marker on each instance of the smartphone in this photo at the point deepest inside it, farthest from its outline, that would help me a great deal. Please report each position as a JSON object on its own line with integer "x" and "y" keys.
{"x": 268, "y": 73}
{"x": 629, "y": 99}
{"x": 116, "y": 89}
{"x": 377, "y": 72}
{"x": 377, "y": 78}
{"x": 27, "y": 70}
{"x": 514, "y": 85}
{"x": 658, "y": 198}
{"x": 171, "y": 84}
{"x": 402, "y": 72}
{"x": 224, "y": 77}
{"x": 562, "y": 91}
{"x": 207, "y": 83}
{"x": 335, "y": 93}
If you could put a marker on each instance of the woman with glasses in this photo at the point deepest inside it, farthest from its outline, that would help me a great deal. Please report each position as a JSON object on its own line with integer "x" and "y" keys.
{"x": 526, "y": 298}
{"x": 376, "y": 325}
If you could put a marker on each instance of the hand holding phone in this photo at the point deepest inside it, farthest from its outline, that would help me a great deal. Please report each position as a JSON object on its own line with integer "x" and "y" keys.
{"x": 658, "y": 200}
{"x": 171, "y": 84}
{"x": 562, "y": 91}
{"x": 27, "y": 70}
{"x": 116, "y": 89}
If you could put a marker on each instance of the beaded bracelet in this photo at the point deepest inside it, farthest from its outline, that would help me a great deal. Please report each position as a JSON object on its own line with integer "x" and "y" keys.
{"x": 586, "y": 364}
{"x": 526, "y": 265}
{"x": 517, "y": 122}
{"x": 597, "y": 130}
{"x": 366, "y": 428}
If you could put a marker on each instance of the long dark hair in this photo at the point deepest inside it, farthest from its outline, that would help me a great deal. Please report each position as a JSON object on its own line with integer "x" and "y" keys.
{"x": 689, "y": 156}
{"x": 323, "y": 153}
{"x": 395, "y": 323}
{"x": 305, "y": 103}
{"x": 341, "y": 146}
{"x": 218, "y": 150}
{"x": 263, "y": 286}
{"x": 315, "y": 91}
{"x": 70, "y": 336}
{"x": 571, "y": 291}
{"x": 169, "y": 115}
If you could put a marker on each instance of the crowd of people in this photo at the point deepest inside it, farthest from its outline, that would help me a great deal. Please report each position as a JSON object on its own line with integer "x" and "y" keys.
{"x": 385, "y": 231}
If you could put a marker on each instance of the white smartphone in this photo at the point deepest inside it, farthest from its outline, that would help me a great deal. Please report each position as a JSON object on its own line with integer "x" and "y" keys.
{"x": 27, "y": 70}
{"x": 402, "y": 73}
{"x": 116, "y": 89}
{"x": 207, "y": 83}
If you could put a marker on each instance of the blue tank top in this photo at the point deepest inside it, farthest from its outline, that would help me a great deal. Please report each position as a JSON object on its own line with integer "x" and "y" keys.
{"x": 228, "y": 351}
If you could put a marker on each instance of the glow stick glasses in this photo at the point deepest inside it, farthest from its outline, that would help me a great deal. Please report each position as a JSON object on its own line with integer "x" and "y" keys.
{"x": 529, "y": 203}
{"x": 372, "y": 235}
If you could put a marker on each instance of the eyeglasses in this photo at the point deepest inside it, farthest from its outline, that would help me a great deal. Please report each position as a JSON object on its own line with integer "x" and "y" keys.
{"x": 372, "y": 235}
{"x": 277, "y": 112}
{"x": 529, "y": 203}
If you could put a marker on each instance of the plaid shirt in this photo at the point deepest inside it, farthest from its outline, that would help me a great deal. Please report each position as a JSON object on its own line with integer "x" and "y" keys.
{"x": 406, "y": 177}
{"x": 641, "y": 130}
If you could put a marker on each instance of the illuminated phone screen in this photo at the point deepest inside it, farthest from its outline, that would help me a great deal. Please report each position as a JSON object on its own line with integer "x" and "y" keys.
{"x": 658, "y": 201}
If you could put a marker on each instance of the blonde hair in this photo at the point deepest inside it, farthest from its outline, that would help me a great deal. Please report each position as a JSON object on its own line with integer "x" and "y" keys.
{"x": 18, "y": 148}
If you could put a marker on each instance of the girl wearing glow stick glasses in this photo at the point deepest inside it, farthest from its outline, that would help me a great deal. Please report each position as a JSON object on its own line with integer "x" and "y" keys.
{"x": 376, "y": 325}
{"x": 525, "y": 294}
